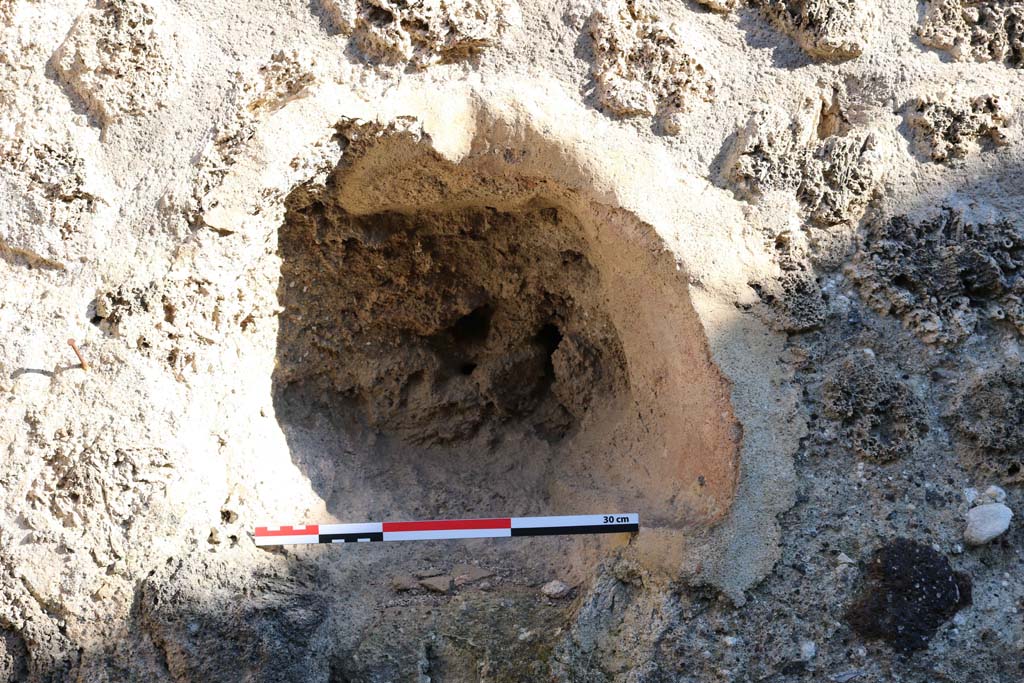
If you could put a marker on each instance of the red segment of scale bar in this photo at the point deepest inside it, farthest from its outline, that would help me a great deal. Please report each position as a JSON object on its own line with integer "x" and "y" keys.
{"x": 308, "y": 530}
{"x": 449, "y": 524}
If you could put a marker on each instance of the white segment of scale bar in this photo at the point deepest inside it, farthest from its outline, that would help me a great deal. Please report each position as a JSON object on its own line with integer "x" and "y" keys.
{"x": 361, "y": 528}
{"x": 286, "y": 540}
{"x": 445, "y": 533}
{"x": 573, "y": 520}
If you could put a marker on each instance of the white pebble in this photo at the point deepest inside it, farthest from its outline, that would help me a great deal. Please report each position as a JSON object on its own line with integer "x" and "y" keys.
{"x": 808, "y": 650}
{"x": 986, "y": 522}
{"x": 555, "y": 589}
{"x": 971, "y": 495}
{"x": 993, "y": 494}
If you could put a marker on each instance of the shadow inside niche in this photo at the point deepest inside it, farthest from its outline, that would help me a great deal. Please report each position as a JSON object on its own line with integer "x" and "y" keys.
{"x": 454, "y": 345}
{"x": 436, "y": 363}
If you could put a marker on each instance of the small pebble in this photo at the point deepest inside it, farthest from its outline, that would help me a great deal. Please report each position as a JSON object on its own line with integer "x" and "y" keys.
{"x": 468, "y": 573}
{"x": 404, "y": 582}
{"x": 438, "y": 584}
{"x": 970, "y": 495}
{"x": 986, "y": 522}
{"x": 555, "y": 589}
{"x": 428, "y": 572}
{"x": 993, "y": 494}
{"x": 808, "y": 650}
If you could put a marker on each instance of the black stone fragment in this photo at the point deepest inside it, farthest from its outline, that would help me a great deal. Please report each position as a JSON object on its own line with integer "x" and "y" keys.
{"x": 907, "y": 592}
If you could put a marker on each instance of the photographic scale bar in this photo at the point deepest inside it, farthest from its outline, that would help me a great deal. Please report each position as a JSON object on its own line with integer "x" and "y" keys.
{"x": 502, "y": 527}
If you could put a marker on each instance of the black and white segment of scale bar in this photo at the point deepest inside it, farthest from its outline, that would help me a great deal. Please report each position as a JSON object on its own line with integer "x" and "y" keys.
{"x": 426, "y": 530}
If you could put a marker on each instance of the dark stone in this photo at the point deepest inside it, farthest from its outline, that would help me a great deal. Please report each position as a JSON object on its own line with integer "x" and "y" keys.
{"x": 908, "y": 591}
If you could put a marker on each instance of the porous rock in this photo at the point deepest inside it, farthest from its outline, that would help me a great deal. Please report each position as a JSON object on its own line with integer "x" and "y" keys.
{"x": 825, "y": 29}
{"x": 943, "y": 276}
{"x": 642, "y": 63}
{"x": 119, "y": 58}
{"x": 794, "y": 296}
{"x": 982, "y": 30}
{"x": 988, "y": 419}
{"x": 881, "y": 414}
{"x": 51, "y": 201}
{"x": 908, "y": 591}
{"x": 422, "y": 32}
{"x": 833, "y": 177}
{"x": 945, "y": 129}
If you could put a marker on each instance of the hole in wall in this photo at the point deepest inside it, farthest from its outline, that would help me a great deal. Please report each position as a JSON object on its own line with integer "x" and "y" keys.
{"x": 458, "y": 342}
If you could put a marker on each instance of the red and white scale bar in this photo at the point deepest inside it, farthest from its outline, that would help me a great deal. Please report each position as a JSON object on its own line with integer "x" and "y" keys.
{"x": 448, "y": 528}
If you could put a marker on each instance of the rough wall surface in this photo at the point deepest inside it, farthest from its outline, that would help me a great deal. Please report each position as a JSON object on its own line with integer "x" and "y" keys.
{"x": 750, "y": 269}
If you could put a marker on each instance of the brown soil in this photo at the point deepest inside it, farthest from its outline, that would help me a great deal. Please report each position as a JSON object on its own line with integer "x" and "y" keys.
{"x": 489, "y": 357}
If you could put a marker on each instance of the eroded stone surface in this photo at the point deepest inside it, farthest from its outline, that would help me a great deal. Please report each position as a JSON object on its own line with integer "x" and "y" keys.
{"x": 985, "y": 30}
{"x": 119, "y": 59}
{"x": 255, "y": 95}
{"x": 422, "y": 32}
{"x": 826, "y": 29}
{"x": 642, "y": 63}
{"x": 833, "y": 176}
{"x": 946, "y": 129}
{"x": 883, "y": 418}
{"x": 943, "y": 277}
{"x": 794, "y": 296}
{"x": 50, "y": 202}
{"x": 988, "y": 418}
{"x": 168, "y": 276}
{"x": 148, "y": 317}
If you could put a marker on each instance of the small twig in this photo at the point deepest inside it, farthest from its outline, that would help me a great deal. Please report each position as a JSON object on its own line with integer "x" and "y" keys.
{"x": 81, "y": 358}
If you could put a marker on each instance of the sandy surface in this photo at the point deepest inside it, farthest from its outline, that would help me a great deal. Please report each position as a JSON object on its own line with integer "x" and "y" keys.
{"x": 750, "y": 269}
